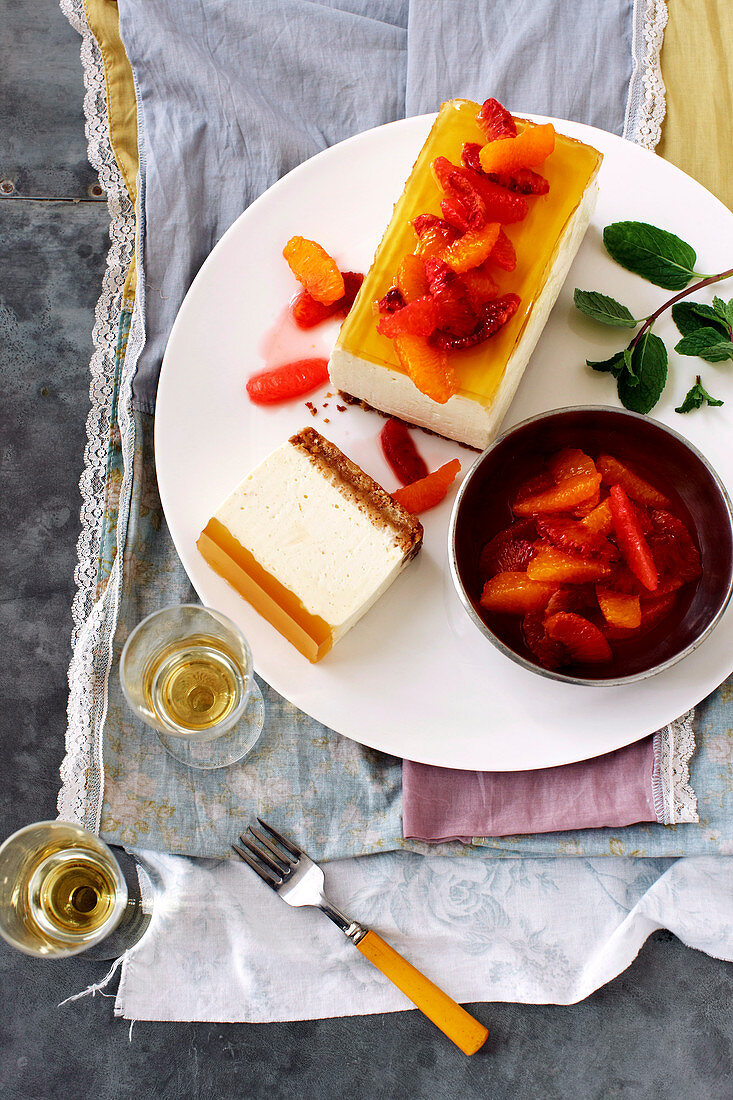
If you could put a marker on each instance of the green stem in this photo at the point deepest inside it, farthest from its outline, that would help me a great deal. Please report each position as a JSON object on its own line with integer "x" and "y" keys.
{"x": 707, "y": 281}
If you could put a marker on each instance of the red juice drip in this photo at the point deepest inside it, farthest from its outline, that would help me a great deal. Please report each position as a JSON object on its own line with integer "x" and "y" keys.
{"x": 285, "y": 342}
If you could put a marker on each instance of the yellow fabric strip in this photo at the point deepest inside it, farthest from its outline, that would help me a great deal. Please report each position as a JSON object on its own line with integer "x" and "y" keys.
{"x": 698, "y": 73}
{"x": 103, "y": 19}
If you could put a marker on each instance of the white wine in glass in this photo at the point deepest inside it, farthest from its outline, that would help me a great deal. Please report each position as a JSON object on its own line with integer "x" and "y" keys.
{"x": 62, "y": 891}
{"x": 187, "y": 672}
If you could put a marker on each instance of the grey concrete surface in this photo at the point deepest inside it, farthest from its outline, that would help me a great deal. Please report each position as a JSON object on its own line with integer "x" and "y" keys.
{"x": 661, "y": 1030}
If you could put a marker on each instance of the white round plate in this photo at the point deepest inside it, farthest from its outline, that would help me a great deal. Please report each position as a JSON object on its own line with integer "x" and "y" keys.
{"x": 415, "y": 677}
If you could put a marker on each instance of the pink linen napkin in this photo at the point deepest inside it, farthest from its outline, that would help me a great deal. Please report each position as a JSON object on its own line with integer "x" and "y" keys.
{"x": 612, "y": 790}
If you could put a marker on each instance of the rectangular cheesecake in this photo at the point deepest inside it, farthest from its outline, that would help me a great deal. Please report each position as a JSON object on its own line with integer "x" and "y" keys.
{"x": 365, "y": 366}
{"x": 311, "y": 541}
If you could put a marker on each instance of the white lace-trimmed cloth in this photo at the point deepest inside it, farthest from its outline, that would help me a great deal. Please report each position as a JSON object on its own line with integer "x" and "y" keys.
{"x": 395, "y": 889}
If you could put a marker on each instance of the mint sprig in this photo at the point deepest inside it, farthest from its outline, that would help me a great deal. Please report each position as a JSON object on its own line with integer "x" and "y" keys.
{"x": 666, "y": 260}
{"x": 696, "y": 397}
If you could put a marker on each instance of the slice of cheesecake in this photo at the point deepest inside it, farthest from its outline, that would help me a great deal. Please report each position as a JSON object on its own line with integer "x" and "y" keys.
{"x": 311, "y": 541}
{"x": 364, "y": 364}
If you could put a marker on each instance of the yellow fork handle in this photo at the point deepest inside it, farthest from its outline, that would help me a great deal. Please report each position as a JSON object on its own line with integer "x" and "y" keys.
{"x": 468, "y": 1034}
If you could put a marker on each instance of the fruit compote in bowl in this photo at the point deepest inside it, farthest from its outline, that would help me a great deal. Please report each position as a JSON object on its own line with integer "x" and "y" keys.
{"x": 593, "y": 545}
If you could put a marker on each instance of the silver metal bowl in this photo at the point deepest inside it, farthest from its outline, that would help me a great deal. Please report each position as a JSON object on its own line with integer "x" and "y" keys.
{"x": 647, "y": 445}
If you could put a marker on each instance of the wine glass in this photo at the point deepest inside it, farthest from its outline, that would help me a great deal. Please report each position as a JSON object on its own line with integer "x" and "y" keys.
{"x": 63, "y": 891}
{"x": 187, "y": 672}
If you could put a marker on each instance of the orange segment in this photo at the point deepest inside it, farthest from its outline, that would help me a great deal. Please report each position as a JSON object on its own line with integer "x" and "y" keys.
{"x": 559, "y": 498}
{"x": 434, "y": 240}
{"x": 480, "y": 285}
{"x": 472, "y": 248}
{"x": 515, "y": 593}
{"x": 411, "y": 278}
{"x": 527, "y": 149}
{"x": 420, "y": 495}
{"x": 619, "y": 608}
{"x": 315, "y": 270}
{"x": 600, "y": 519}
{"x": 572, "y": 462}
{"x": 427, "y": 367}
{"x": 617, "y": 473}
{"x": 554, "y": 566}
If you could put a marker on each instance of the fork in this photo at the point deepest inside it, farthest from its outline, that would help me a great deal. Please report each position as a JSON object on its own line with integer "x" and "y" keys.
{"x": 299, "y": 881}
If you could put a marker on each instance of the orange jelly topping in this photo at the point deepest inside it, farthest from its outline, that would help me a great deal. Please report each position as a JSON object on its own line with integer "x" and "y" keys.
{"x": 310, "y": 634}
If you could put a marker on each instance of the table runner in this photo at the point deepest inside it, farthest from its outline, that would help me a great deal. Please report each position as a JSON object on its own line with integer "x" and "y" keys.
{"x": 146, "y": 508}
{"x": 138, "y": 795}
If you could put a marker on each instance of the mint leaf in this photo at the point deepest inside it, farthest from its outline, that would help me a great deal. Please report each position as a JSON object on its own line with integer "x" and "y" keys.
{"x": 653, "y": 253}
{"x": 724, "y": 310}
{"x": 707, "y": 343}
{"x": 614, "y": 365}
{"x": 604, "y": 309}
{"x": 640, "y": 394}
{"x": 696, "y": 397}
{"x": 690, "y": 316}
{"x": 630, "y": 366}
{"x": 719, "y": 308}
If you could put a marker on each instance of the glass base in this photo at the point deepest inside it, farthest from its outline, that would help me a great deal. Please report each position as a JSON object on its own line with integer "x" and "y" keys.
{"x": 226, "y": 749}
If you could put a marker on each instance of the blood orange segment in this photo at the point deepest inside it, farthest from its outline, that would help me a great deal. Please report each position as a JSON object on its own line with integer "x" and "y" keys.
{"x": 390, "y": 302}
{"x": 549, "y": 654}
{"x": 456, "y": 313}
{"x": 270, "y": 387}
{"x": 456, "y": 215}
{"x": 638, "y": 488}
{"x": 630, "y": 539}
{"x": 491, "y": 317}
{"x": 401, "y": 453}
{"x": 307, "y": 312}
{"x": 495, "y": 121}
{"x": 509, "y": 551}
{"x": 501, "y": 205}
{"x": 515, "y": 593}
{"x": 503, "y": 254}
{"x": 570, "y": 535}
{"x": 619, "y": 608}
{"x": 526, "y": 150}
{"x": 460, "y": 192}
{"x": 524, "y": 181}
{"x": 673, "y": 550}
{"x": 470, "y": 155}
{"x": 557, "y": 567}
{"x": 417, "y": 318}
{"x": 482, "y": 200}
{"x": 314, "y": 269}
{"x": 427, "y": 367}
{"x": 428, "y": 491}
{"x": 584, "y": 642}
{"x": 559, "y": 498}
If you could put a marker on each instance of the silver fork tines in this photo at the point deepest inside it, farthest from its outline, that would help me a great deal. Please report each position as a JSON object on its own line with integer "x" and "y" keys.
{"x": 271, "y": 863}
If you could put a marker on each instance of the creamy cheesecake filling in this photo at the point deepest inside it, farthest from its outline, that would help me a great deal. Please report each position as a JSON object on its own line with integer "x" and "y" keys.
{"x": 545, "y": 243}
{"x": 310, "y": 541}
